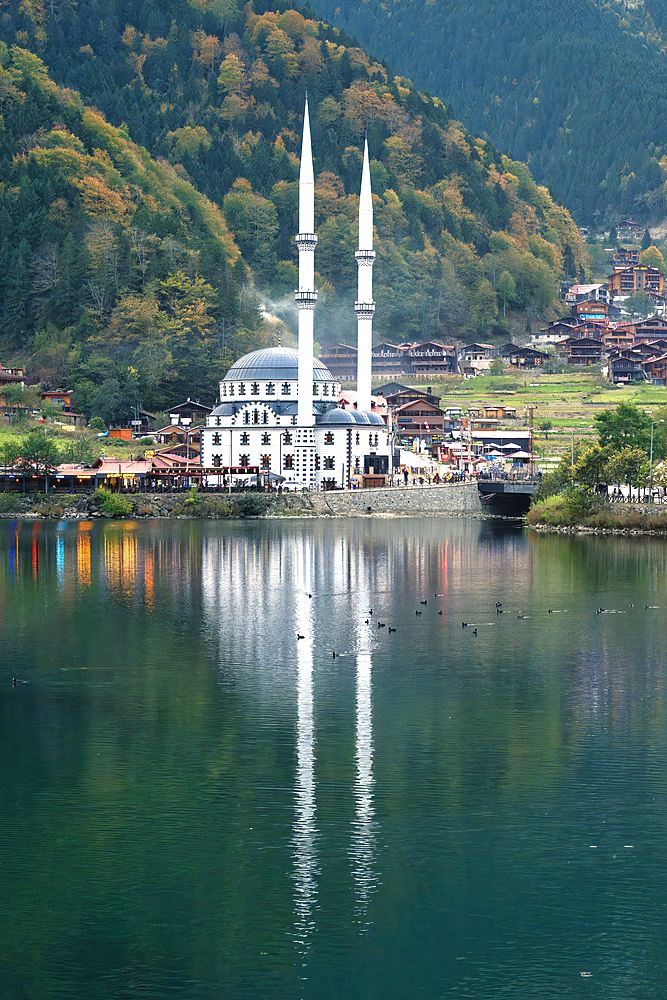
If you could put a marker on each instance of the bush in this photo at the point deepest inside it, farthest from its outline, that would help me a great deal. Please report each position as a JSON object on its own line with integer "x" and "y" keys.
{"x": 97, "y": 424}
{"x": 113, "y": 503}
{"x": 251, "y": 506}
{"x": 146, "y": 442}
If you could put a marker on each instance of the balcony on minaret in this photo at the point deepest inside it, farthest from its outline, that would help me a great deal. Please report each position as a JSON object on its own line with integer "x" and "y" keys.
{"x": 364, "y": 310}
{"x": 304, "y": 299}
{"x": 365, "y": 258}
{"x": 306, "y": 241}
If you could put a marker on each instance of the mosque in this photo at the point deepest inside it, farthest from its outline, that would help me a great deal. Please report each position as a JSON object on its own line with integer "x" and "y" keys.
{"x": 279, "y": 410}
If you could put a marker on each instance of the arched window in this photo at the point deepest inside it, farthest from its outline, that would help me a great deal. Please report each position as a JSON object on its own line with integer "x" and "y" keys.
{"x": 254, "y": 388}
{"x": 246, "y": 417}
{"x": 357, "y": 437}
{"x": 315, "y": 389}
{"x": 328, "y": 437}
{"x": 317, "y": 463}
{"x": 231, "y": 390}
{"x": 245, "y": 438}
{"x": 265, "y": 417}
{"x": 266, "y": 438}
{"x": 218, "y": 421}
{"x": 216, "y": 439}
{"x": 244, "y": 461}
{"x": 287, "y": 438}
{"x": 325, "y": 390}
{"x": 255, "y": 416}
{"x": 270, "y": 388}
{"x": 266, "y": 461}
{"x": 286, "y": 389}
{"x": 224, "y": 389}
{"x": 217, "y": 461}
{"x": 294, "y": 418}
{"x": 329, "y": 462}
{"x": 288, "y": 461}
{"x": 241, "y": 388}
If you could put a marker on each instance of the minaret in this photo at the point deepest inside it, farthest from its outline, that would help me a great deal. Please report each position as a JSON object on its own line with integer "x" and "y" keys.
{"x": 306, "y": 296}
{"x": 365, "y": 307}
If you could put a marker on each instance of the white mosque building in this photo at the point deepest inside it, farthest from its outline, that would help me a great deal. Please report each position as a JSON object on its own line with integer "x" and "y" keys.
{"x": 279, "y": 409}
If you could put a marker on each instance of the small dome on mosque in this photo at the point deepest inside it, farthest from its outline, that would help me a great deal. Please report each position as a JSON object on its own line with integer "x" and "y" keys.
{"x": 359, "y": 417}
{"x": 375, "y": 418}
{"x": 274, "y": 363}
{"x": 337, "y": 416}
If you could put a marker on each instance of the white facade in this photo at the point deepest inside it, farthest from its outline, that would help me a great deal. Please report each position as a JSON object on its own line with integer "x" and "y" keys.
{"x": 278, "y": 410}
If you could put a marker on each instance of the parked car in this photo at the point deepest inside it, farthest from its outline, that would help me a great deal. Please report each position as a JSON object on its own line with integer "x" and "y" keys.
{"x": 293, "y": 485}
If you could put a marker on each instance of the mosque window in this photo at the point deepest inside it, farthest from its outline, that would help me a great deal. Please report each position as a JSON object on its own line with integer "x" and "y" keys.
{"x": 328, "y": 437}
{"x": 217, "y": 461}
{"x": 317, "y": 462}
{"x": 218, "y": 421}
{"x": 357, "y": 437}
{"x": 315, "y": 389}
{"x": 357, "y": 467}
{"x": 266, "y": 461}
{"x": 270, "y": 388}
{"x": 265, "y": 417}
{"x": 246, "y": 417}
{"x": 216, "y": 439}
{"x": 244, "y": 461}
{"x": 255, "y": 416}
{"x": 231, "y": 390}
{"x": 294, "y": 420}
{"x": 245, "y": 438}
{"x": 288, "y": 461}
{"x": 329, "y": 462}
{"x": 266, "y": 439}
{"x": 370, "y": 440}
{"x": 241, "y": 388}
{"x": 287, "y": 437}
{"x": 254, "y": 388}
{"x": 286, "y": 389}
{"x": 376, "y": 440}
{"x": 224, "y": 390}
{"x": 325, "y": 390}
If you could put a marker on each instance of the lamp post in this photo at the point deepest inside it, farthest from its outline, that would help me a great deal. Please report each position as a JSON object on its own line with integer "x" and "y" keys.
{"x": 650, "y": 462}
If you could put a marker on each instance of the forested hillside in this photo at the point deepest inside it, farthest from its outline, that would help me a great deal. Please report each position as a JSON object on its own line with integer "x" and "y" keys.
{"x": 139, "y": 258}
{"x": 578, "y": 89}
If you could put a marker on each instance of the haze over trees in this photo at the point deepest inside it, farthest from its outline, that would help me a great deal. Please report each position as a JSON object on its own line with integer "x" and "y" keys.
{"x": 139, "y": 259}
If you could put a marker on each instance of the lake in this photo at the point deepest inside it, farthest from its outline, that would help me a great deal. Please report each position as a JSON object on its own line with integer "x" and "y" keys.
{"x": 196, "y": 803}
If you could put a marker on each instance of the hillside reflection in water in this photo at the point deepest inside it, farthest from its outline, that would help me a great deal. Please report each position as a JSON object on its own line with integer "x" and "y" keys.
{"x": 199, "y": 803}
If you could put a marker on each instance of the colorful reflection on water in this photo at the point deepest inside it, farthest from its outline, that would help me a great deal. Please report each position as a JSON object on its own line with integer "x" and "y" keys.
{"x": 200, "y": 799}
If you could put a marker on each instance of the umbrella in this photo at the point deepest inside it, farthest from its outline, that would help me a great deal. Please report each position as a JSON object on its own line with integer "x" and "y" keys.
{"x": 518, "y": 455}
{"x": 506, "y": 447}
{"x": 494, "y": 454}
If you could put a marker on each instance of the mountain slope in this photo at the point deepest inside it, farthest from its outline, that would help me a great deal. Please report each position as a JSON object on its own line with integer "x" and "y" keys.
{"x": 122, "y": 260}
{"x": 578, "y": 90}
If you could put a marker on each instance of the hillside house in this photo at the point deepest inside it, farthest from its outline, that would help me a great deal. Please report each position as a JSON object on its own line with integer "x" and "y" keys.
{"x": 341, "y": 360}
{"x": 388, "y": 359}
{"x": 523, "y": 357}
{"x": 638, "y": 278}
{"x": 581, "y": 351}
{"x": 431, "y": 359}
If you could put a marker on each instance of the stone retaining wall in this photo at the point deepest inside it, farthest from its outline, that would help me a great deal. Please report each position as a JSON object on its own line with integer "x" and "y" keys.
{"x": 455, "y": 499}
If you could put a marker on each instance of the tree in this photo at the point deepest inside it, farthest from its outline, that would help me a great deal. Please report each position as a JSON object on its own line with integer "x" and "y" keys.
{"x": 653, "y": 258}
{"x": 38, "y": 455}
{"x": 646, "y": 240}
{"x": 625, "y": 426}
{"x": 640, "y": 304}
{"x": 545, "y": 426}
{"x": 591, "y": 466}
{"x": 507, "y": 288}
{"x": 628, "y": 466}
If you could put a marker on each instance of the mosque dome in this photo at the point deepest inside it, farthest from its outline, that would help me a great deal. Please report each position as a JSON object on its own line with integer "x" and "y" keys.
{"x": 337, "y": 416}
{"x": 274, "y": 363}
{"x": 375, "y": 418}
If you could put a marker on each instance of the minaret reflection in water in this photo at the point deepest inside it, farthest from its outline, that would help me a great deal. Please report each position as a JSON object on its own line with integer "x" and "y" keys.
{"x": 362, "y": 847}
{"x": 304, "y": 831}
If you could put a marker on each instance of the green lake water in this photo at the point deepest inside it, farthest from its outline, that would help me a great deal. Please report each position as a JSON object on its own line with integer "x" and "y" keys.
{"x": 196, "y": 804}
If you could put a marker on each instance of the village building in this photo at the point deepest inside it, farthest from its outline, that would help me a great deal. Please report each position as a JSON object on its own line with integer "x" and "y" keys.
{"x": 638, "y": 278}
{"x": 523, "y": 357}
{"x": 431, "y": 359}
{"x": 341, "y": 361}
{"x": 388, "y": 359}
{"x": 581, "y": 350}
{"x": 587, "y": 293}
